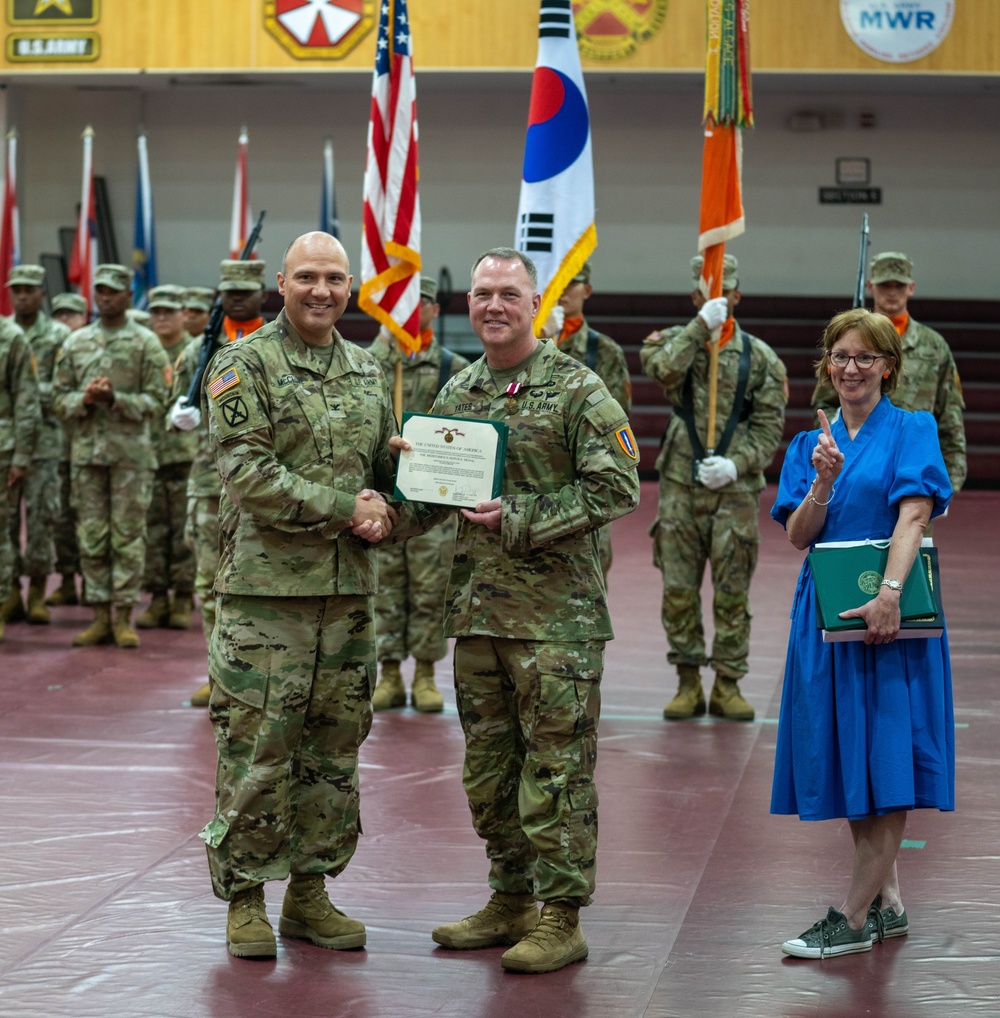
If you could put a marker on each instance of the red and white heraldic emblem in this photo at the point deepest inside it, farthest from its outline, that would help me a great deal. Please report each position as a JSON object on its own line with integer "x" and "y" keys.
{"x": 319, "y": 29}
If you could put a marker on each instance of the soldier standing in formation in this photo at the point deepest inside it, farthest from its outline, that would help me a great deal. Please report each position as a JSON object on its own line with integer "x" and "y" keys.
{"x": 39, "y": 491}
{"x": 112, "y": 380}
{"x": 928, "y": 379}
{"x": 600, "y": 353}
{"x": 709, "y": 504}
{"x": 292, "y": 657}
{"x": 241, "y": 286}
{"x": 20, "y": 422}
{"x": 169, "y": 559}
{"x": 411, "y": 577}
{"x": 198, "y": 301}
{"x": 527, "y": 605}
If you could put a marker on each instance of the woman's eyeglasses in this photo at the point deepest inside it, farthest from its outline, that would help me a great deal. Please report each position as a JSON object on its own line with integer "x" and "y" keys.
{"x": 862, "y": 361}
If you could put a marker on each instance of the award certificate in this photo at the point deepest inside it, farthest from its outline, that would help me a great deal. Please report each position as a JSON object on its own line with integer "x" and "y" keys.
{"x": 454, "y": 461}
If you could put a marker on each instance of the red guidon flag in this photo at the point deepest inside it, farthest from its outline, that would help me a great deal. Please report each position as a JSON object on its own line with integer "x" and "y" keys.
{"x": 390, "y": 241}
{"x": 728, "y": 109}
{"x": 10, "y": 225}
{"x": 84, "y": 259}
{"x": 241, "y": 222}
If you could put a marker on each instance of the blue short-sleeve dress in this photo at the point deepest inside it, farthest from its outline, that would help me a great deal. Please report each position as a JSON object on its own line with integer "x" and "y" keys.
{"x": 864, "y": 730}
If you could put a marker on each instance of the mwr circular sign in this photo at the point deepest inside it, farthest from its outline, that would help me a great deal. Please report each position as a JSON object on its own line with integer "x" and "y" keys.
{"x": 319, "y": 29}
{"x": 897, "y": 31}
{"x": 612, "y": 29}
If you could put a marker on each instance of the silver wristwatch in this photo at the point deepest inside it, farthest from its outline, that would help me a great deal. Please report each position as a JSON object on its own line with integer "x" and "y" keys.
{"x": 892, "y": 585}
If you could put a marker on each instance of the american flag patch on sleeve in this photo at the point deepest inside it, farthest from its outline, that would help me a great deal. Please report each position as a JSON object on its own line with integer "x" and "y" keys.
{"x": 225, "y": 381}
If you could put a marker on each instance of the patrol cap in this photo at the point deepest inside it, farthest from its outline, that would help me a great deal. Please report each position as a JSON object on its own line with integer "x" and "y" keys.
{"x": 69, "y": 302}
{"x": 730, "y": 271}
{"x": 166, "y": 296}
{"x": 583, "y": 276}
{"x": 199, "y": 298}
{"x": 891, "y": 267}
{"x": 26, "y": 275}
{"x": 138, "y": 315}
{"x": 118, "y": 277}
{"x": 429, "y": 288}
{"x": 249, "y": 275}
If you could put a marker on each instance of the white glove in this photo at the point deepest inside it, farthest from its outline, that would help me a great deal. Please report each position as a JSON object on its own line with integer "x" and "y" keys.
{"x": 184, "y": 417}
{"x": 714, "y": 312}
{"x": 716, "y": 472}
{"x": 554, "y": 323}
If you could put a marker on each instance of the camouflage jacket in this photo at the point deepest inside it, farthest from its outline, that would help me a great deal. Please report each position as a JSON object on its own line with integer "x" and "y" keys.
{"x": 420, "y": 372}
{"x": 117, "y": 433}
{"x": 927, "y": 381}
{"x": 610, "y": 364}
{"x": 20, "y": 411}
{"x": 668, "y": 356}
{"x": 173, "y": 446}
{"x": 45, "y": 337}
{"x": 567, "y": 473}
{"x": 294, "y": 442}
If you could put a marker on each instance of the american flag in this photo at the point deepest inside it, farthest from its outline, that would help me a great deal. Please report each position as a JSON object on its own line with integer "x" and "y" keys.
{"x": 390, "y": 242}
{"x": 10, "y": 225}
{"x": 84, "y": 259}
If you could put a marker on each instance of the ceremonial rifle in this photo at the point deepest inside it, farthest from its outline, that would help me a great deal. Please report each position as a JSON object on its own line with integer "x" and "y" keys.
{"x": 214, "y": 326}
{"x": 859, "y": 288}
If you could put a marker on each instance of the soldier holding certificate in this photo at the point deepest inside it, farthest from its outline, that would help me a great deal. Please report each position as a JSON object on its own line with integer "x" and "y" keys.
{"x": 527, "y": 603}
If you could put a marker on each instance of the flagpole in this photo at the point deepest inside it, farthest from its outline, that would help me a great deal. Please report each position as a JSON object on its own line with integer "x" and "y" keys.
{"x": 84, "y": 258}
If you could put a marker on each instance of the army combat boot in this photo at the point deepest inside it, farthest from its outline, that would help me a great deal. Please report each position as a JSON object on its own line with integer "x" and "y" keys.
{"x": 38, "y": 614}
{"x": 12, "y": 609}
{"x": 505, "y": 919}
{"x": 65, "y": 593}
{"x": 726, "y": 701}
{"x": 308, "y": 914}
{"x": 555, "y": 942}
{"x": 125, "y": 635}
{"x": 157, "y": 615}
{"x": 425, "y": 694}
{"x": 180, "y": 611}
{"x": 202, "y": 696}
{"x": 689, "y": 701}
{"x": 248, "y": 932}
{"x": 390, "y": 691}
{"x": 99, "y": 631}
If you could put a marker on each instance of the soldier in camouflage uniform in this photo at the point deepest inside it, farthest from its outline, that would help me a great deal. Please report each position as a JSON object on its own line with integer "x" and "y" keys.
{"x": 169, "y": 559}
{"x": 71, "y": 310}
{"x": 600, "y": 353}
{"x": 708, "y": 504}
{"x": 198, "y": 301}
{"x": 39, "y": 491}
{"x": 242, "y": 293}
{"x": 300, "y": 422}
{"x": 928, "y": 379}
{"x": 20, "y": 423}
{"x": 411, "y": 576}
{"x": 527, "y": 604}
{"x": 112, "y": 380}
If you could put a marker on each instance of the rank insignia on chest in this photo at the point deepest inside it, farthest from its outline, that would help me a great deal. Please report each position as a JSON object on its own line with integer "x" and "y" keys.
{"x": 225, "y": 381}
{"x": 627, "y": 441}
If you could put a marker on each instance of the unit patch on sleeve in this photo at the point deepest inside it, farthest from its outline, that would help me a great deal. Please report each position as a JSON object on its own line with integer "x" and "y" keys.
{"x": 627, "y": 441}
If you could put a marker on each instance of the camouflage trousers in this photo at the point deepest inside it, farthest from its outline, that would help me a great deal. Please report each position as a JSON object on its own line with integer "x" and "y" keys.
{"x": 604, "y": 548}
{"x": 7, "y": 546}
{"x": 201, "y": 534}
{"x": 529, "y": 711}
{"x": 291, "y": 705}
{"x": 111, "y": 505}
{"x": 695, "y": 526}
{"x": 64, "y": 529}
{"x": 409, "y": 606}
{"x": 39, "y": 494}
{"x": 169, "y": 559}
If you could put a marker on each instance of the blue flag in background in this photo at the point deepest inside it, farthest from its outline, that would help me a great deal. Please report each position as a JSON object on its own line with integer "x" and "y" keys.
{"x": 144, "y": 242}
{"x": 328, "y": 221}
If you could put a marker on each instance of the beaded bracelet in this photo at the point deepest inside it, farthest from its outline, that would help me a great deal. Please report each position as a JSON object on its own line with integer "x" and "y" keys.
{"x": 812, "y": 497}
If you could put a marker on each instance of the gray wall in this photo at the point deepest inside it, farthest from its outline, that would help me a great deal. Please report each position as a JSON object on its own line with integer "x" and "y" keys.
{"x": 934, "y": 152}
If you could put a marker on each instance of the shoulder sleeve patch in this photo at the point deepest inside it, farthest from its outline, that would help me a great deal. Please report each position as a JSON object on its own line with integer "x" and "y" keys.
{"x": 224, "y": 381}
{"x": 627, "y": 441}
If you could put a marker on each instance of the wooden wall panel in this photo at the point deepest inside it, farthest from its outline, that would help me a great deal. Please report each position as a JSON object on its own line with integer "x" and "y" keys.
{"x": 230, "y": 35}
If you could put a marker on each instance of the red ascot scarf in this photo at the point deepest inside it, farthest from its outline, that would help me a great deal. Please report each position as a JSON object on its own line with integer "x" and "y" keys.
{"x": 571, "y": 326}
{"x": 237, "y": 330}
{"x": 900, "y": 321}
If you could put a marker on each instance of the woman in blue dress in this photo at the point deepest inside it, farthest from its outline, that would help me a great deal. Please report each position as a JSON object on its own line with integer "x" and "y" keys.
{"x": 866, "y": 729}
